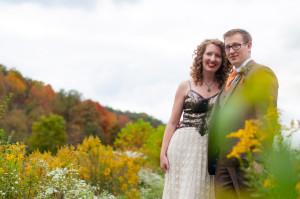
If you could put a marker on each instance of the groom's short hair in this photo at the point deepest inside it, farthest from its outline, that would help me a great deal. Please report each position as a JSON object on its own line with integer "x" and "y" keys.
{"x": 245, "y": 34}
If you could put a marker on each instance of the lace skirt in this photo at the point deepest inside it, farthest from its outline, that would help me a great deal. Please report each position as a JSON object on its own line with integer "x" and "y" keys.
{"x": 188, "y": 177}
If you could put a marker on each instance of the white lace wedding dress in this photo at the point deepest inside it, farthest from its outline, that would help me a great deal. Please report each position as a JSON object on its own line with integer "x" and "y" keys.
{"x": 188, "y": 177}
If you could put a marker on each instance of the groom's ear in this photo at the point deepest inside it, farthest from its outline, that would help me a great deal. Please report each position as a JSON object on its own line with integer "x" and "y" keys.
{"x": 249, "y": 46}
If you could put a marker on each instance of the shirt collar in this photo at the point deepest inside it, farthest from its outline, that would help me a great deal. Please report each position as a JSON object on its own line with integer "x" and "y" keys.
{"x": 243, "y": 64}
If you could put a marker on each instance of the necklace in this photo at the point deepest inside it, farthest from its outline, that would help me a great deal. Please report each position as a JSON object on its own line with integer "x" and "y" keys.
{"x": 208, "y": 86}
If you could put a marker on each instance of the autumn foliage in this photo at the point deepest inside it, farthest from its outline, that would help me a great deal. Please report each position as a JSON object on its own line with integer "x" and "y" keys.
{"x": 88, "y": 170}
{"x": 82, "y": 118}
{"x": 56, "y": 145}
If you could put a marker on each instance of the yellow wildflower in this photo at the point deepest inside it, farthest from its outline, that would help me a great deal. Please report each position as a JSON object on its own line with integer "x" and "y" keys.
{"x": 267, "y": 183}
{"x": 107, "y": 171}
{"x": 23, "y": 147}
{"x": 250, "y": 138}
{"x": 9, "y": 156}
{"x": 124, "y": 187}
{"x": 135, "y": 193}
{"x": 121, "y": 179}
{"x": 20, "y": 156}
{"x": 298, "y": 186}
{"x": 132, "y": 194}
{"x": 132, "y": 182}
{"x": 234, "y": 154}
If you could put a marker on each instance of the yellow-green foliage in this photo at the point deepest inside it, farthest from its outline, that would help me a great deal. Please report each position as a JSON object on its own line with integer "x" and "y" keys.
{"x": 152, "y": 147}
{"x": 5, "y": 104}
{"x": 134, "y": 136}
{"x": 11, "y": 163}
{"x": 142, "y": 137}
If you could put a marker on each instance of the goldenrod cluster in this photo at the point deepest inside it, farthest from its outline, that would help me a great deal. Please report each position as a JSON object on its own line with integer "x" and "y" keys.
{"x": 11, "y": 163}
{"x": 97, "y": 164}
{"x": 250, "y": 138}
{"x": 279, "y": 173}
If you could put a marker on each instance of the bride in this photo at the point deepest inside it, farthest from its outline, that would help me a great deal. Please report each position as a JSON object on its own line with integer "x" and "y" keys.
{"x": 184, "y": 148}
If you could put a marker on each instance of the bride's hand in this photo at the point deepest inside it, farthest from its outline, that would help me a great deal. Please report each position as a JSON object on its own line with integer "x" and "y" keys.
{"x": 164, "y": 163}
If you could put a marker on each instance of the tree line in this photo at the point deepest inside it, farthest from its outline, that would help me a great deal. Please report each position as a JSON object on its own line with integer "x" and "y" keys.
{"x": 36, "y": 108}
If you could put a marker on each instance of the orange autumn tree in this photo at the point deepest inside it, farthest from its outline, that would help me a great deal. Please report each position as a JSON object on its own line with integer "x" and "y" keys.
{"x": 2, "y": 86}
{"x": 118, "y": 123}
{"x": 16, "y": 84}
{"x": 40, "y": 95}
{"x": 108, "y": 121}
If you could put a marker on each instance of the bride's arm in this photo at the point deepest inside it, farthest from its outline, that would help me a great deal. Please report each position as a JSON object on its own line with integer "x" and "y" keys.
{"x": 172, "y": 124}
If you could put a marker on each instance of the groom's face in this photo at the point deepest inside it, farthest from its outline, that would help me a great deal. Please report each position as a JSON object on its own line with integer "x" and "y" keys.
{"x": 237, "y": 57}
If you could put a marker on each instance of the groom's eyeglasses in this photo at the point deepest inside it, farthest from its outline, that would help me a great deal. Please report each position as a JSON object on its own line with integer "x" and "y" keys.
{"x": 235, "y": 46}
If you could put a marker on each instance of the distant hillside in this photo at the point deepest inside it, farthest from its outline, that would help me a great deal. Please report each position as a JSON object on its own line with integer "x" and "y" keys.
{"x": 33, "y": 99}
{"x": 135, "y": 116}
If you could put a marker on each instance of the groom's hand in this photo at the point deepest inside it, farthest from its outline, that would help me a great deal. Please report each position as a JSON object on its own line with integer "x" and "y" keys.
{"x": 180, "y": 122}
{"x": 258, "y": 168}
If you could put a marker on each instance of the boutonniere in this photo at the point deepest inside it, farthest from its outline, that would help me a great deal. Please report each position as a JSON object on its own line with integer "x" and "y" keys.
{"x": 243, "y": 72}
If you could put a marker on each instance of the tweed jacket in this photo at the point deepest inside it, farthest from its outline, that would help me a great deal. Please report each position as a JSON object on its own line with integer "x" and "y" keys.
{"x": 247, "y": 98}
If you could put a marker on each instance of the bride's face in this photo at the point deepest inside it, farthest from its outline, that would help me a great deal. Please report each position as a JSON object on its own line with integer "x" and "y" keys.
{"x": 212, "y": 58}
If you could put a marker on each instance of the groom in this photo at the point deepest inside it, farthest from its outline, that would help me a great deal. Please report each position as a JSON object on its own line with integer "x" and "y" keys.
{"x": 246, "y": 96}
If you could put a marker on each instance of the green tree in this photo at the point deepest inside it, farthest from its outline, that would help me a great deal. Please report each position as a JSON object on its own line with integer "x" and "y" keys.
{"x": 3, "y": 69}
{"x": 113, "y": 132}
{"x": 134, "y": 117}
{"x": 48, "y": 134}
{"x": 153, "y": 145}
{"x": 5, "y": 139}
{"x": 92, "y": 128}
{"x": 142, "y": 137}
{"x": 134, "y": 136}
{"x": 65, "y": 103}
{"x": 89, "y": 120}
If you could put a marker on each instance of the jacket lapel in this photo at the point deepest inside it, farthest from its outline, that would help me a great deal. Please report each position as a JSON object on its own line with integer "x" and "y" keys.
{"x": 225, "y": 94}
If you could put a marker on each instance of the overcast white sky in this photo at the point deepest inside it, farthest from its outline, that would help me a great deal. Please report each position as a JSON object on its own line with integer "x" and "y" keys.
{"x": 132, "y": 54}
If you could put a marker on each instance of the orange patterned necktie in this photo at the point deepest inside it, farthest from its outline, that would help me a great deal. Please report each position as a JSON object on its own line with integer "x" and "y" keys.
{"x": 230, "y": 78}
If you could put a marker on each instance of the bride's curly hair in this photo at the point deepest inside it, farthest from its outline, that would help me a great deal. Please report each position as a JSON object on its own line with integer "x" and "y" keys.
{"x": 197, "y": 68}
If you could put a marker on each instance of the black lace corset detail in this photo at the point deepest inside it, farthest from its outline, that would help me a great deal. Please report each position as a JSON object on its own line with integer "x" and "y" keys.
{"x": 196, "y": 110}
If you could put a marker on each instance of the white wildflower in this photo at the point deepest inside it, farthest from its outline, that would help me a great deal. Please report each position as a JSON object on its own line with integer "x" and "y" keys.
{"x": 133, "y": 154}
